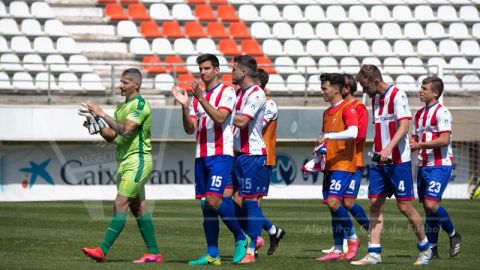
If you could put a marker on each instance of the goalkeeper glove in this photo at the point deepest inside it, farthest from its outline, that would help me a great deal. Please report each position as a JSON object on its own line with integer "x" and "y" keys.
{"x": 90, "y": 122}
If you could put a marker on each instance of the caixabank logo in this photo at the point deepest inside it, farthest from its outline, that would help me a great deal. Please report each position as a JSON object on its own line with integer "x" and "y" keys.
{"x": 36, "y": 171}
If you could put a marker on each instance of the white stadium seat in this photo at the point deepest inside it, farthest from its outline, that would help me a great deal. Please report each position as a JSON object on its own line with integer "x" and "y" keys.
{"x": 127, "y": 29}
{"x": 448, "y": 48}
{"x": 3, "y": 45}
{"x": 3, "y": 10}
{"x": 328, "y": 64}
{"x": 292, "y": 13}
{"x": 23, "y": 81}
{"x": 67, "y": 45}
{"x": 272, "y": 47}
{"x": 427, "y": 48}
{"x": 32, "y": 27}
{"x": 248, "y": 13}
{"x": 349, "y": 65}
{"x": 304, "y": 30}
{"x": 315, "y": 47}
{"x": 336, "y": 14}
{"x": 55, "y": 28}
{"x": 270, "y": 13}
{"x": 294, "y": 47}
{"x": 315, "y": 13}
{"x": 206, "y": 45}
{"x": 447, "y": 14}
{"x": 459, "y": 65}
{"x": 358, "y": 14}
{"x": 69, "y": 82}
{"x": 314, "y": 83}
{"x": 392, "y": 31}
{"x": 382, "y": 48}
{"x": 5, "y": 81}
{"x": 42, "y": 81}
{"x": 92, "y": 82}
{"x": 33, "y": 62}
{"x": 458, "y": 31}
{"x": 370, "y": 31}
{"x": 406, "y": 83}
{"x": 191, "y": 64}
{"x": 424, "y": 13}
{"x": 44, "y": 45}
{"x": 164, "y": 82}
{"x": 469, "y": 13}
{"x": 276, "y": 83}
{"x": 184, "y": 46}
{"x": 8, "y": 26}
{"x": 79, "y": 63}
{"x": 476, "y": 30}
{"x": 413, "y": 31}
{"x": 19, "y": 9}
{"x": 285, "y": 65}
{"x": 470, "y": 48}
{"x": 307, "y": 65}
{"x": 348, "y": 31}
{"x": 436, "y": 63}
{"x": 21, "y": 44}
{"x": 414, "y": 65}
{"x": 56, "y": 63}
{"x": 372, "y": 61}
{"x": 160, "y": 11}
{"x": 403, "y": 48}
{"x": 260, "y": 30}
{"x": 380, "y": 13}
{"x": 338, "y": 48}
{"x": 182, "y": 12}
{"x": 393, "y": 65}
{"x": 471, "y": 83}
{"x": 451, "y": 84}
{"x": 435, "y": 30}
{"x": 325, "y": 31}
{"x": 10, "y": 62}
{"x": 162, "y": 46}
{"x": 282, "y": 30}
{"x": 139, "y": 46}
{"x": 360, "y": 48}
{"x": 42, "y": 10}
{"x": 296, "y": 82}
{"x": 402, "y": 14}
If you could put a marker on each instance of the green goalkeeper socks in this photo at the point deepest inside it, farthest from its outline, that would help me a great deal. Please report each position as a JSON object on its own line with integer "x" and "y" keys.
{"x": 145, "y": 225}
{"x": 114, "y": 229}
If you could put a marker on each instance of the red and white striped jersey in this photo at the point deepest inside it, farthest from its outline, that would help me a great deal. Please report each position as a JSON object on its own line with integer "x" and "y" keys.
{"x": 250, "y": 103}
{"x": 429, "y": 123}
{"x": 271, "y": 112}
{"x": 214, "y": 139}
{"x": 388, "y": 109}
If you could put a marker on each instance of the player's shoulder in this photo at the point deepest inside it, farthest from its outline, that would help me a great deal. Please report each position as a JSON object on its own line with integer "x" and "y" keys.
{"x": 443, "y": 111}
{"x": 141, "y": 104}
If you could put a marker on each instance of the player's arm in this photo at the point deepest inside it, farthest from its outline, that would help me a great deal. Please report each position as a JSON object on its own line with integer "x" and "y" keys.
{"x": 255, "y": 102}
{"x": 124, "y": 129}
{"x": 444, "y": 120}
{"x": 271, "y": 113}
{"x": 350, "y": 118}
{"x": 190, "y": 121}
{"x": 217, "y": 115}
{"x": 362, "y": 122}
{"x": 108, "y": 134}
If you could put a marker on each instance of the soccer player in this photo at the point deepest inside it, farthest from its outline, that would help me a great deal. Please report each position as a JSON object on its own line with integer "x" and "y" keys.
{"x": 270, "y": 138}
{"x": 431, "y": 136}
{"x": 130, "y": 130}
{"x": 339, "y": 130}
{"x": 251, "y": 174}
{"x": 210, "y": 114}
{"x": 391, "y": 115}
{"x": 351, "y": 194}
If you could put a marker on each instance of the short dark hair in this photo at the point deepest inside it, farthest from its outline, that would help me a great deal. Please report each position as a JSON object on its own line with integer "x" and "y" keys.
{"x": 368, "y": 73}
{"x": 262, "y": 76}
{"x": 335, "y": 79}
{"x": 135, "y": 74}
{"x": 435, "y": 83}
{"x": 208, "y": 57}
{"x": 350, "y": 82}
{"x": 247, "y": 62}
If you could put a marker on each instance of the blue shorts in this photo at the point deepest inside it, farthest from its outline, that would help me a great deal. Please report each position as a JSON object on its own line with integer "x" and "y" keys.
{"x": 389, "y": 179}
{"x": 251, "y": 175}
{"x": 212, "y": 175}
{"x": 432, "y": 181}
{"x": 335, "y": 184}
{"x": 354, "y": 185}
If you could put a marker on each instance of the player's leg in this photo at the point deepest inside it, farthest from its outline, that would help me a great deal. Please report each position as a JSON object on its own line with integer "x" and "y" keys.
{"x": 402, "y": 182}
{"x": 350, "y": 197}
{"x": 436, "y": 179}
{"x": 378, "y": 190}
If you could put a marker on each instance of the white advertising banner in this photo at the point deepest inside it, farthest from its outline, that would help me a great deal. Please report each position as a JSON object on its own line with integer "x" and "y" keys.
{"x": 87, "y": 171}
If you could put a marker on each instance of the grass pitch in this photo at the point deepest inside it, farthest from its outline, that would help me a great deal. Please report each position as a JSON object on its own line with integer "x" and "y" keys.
{"x": 50, "y": 235}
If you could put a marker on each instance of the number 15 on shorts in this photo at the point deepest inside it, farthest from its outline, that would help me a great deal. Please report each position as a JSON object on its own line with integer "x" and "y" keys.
{"x": 216, "y": 181}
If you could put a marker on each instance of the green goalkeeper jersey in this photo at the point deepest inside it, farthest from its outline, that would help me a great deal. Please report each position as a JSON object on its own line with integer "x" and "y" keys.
{"x": 137, "y": 145}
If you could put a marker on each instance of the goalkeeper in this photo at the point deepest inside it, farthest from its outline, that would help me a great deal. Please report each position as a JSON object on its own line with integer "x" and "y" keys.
{"x": 129, "y": 128}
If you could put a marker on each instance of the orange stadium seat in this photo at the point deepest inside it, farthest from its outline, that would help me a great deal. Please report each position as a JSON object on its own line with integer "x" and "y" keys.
{"x": 129, "y": 1}
{"x": 138, "y": 12}
{"x": 175, "y": 64}
{"x": 227, "y": 78}
{"x": 204, "y": 13}
{"x": 184, "y": 81}
{"x": 171, "y": 29}
{"x": 239, "y": 30}
{"x": 106, "y": 1}
{"x": 216, "y": 30}
{"x": 227, "y": 13}
{"x": 150, "y": 29}
{"x": 217, "y": 2}
{"x": 115, "y": 12}
{"x": 251, "y": 47}
{"x": 197, "y": 1}
{"x": 194, "y": 30}
{"x": 153, "y": 59}
{"x": 266, "y": 64}
{"x": 228, "y": 47}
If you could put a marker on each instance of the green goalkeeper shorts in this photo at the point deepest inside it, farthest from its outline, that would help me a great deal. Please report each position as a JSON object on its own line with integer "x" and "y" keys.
{"x": 132, "y": 174}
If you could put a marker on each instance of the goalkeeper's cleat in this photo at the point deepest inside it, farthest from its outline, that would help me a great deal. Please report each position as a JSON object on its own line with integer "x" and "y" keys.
{"x": 370, "y": 258}
{"x": 146, "y": 258}
{"x": 206, "y": 260}
{"x": 353, "y": 246}
{"x": 240, "y": 249}
{"x": 95, "y": 253}
{"x": 475, "y": 192}
{"x": 424, "y": 257}
{"x": 249, "y": 258}
{"x": 435, "y": 255}
{"x": 275, "y": 239}
{"x": 455, "y": 244}
{"x": 332, "y": 256}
